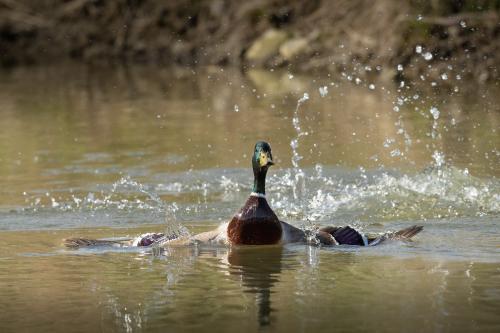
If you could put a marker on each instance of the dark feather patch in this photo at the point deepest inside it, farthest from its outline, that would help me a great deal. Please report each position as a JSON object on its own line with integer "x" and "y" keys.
{"x": 349, "y": 236}
{"x": 255, "y": 224}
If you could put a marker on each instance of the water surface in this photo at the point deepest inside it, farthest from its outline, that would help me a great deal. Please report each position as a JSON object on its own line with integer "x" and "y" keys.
{"x": 119, "y": 151}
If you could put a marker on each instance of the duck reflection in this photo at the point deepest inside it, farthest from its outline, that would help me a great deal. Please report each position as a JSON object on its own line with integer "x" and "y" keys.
{"x": 259, "y": 269}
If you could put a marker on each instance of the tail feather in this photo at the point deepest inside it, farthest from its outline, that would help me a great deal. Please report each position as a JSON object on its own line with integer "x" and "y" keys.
{"x": 403, "y": 234}
{"x": 78, "y": 242}
{"x": 408, "y": 233}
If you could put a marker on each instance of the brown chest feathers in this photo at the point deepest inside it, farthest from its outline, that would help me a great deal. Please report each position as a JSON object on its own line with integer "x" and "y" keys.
{"x": 255, "y": 224}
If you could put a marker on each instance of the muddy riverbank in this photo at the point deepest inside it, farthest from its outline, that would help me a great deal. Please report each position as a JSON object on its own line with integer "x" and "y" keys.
{"x": 403, "y": 40}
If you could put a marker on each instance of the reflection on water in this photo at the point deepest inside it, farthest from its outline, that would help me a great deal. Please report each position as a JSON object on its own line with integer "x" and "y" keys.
{"x": 293, "y": 288}
{"x": 118, "y": 152}
{"x": 259, "y": 270}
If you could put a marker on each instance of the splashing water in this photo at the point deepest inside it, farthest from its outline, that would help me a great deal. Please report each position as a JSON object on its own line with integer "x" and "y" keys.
{"x": 427, "y": 56}
{"x": 127, "y": 184}
{"x": 333, "y": 196}
{"x": 124, "y": 198}
{"x": 167, "y": 211}
{"x": 435, "y": 113}
{"x": 299, "y": 186}
{"x": 340, "y": 197}
{"x": 323, "y": 91}
{"x": 400, "y": 100}
{"x": 435, "y": 193}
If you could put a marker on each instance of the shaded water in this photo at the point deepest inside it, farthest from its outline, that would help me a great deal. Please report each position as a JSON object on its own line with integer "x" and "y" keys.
{"x": 116, "y": 152}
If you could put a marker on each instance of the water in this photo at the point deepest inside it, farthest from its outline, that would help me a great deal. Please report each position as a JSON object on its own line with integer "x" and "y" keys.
{"x": 118, "y": 152}
{"x": 298, "y": 184}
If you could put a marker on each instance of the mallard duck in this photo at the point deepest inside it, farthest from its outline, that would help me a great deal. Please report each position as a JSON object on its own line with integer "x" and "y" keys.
{"x": 257, "y": 224}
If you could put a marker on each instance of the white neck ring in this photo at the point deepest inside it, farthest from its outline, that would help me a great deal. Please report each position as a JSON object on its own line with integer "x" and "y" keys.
{"x": 258, "y": 195}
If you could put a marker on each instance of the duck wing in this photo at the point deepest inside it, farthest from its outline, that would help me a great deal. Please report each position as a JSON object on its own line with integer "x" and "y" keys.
{"x": 347, "y": 235}
{"x": 292, "y": 234}
{"x": 77, "y": 242}
{"x": 147, "y": 239}
{"x": 408, "y": 233}
{"x": 403, "y": 234}
{"x": 343, "y": 235}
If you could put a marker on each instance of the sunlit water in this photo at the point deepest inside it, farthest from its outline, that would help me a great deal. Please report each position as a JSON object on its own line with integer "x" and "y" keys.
{"x": 117, "y": 152}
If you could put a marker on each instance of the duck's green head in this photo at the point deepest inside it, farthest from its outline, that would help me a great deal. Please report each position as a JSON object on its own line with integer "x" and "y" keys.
{"x": 262, "y": 159}
{"x": 262, "y": 156}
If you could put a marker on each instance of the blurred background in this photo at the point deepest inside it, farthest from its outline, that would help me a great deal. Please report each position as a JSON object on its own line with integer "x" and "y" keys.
{"x": 301, "y": 35}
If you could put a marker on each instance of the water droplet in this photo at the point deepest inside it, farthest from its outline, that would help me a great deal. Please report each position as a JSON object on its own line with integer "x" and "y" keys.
{"x": 438, "y": 158}
{"x": 395, "y": 152}
{"x": 444, "y": 76}
{"x": 428, "y": 56}
{"x": 435, "y": 112}
{"x": 323, "y": 91}
{"x": 55, "y": 204}
{"x": 304, "y": 98}
{"x": 90, "y": 197}
{"x": 388, "y": 142}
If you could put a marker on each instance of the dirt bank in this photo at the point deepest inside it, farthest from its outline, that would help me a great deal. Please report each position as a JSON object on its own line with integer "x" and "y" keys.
{"x": 360, "y": 37}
